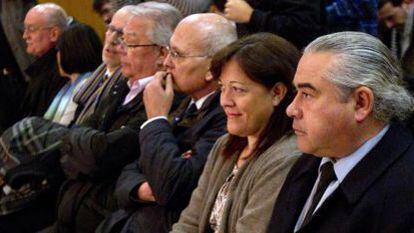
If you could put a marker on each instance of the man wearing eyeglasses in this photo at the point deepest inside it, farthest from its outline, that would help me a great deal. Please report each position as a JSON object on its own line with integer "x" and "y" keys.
{"x": 99, "y": 85}
{"x": 174, "y": 147}
{"x": 94, "y": 154}
{"x": 43, "y": 25}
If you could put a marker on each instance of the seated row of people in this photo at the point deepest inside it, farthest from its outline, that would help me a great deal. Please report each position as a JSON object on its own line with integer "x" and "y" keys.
{"x": 348, "y": 104}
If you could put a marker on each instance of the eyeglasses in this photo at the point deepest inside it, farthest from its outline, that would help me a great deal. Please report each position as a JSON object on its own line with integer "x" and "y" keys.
{"x": 113, "y": 29}
{"x": 133, "y": 46}
{"x": 34, "y": 28}
{"x": 176, "y": 55}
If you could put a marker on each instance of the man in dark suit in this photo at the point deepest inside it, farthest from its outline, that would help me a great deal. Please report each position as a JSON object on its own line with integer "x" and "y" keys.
{"x": 99, "y": 85}
{"x": 358, "y": 171}
{"x": 94, "y": 156}
{"x": 154, "y": 190}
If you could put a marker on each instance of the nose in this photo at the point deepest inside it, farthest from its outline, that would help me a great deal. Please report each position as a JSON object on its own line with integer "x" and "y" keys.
{"x": 390, "y": 24}
{"x": 121, "y": 49}
{"x": 226, "y": 99}
{"x": 25, "y": 35}
{"x": 293, "y": 109}
{"x": 168, "y": 62}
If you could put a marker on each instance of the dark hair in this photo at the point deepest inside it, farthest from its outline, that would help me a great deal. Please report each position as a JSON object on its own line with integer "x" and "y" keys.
{"x": 220, "y": 4}
{"x": 266, "y": 59}
{"x": 97, "y": 5}
{"x": 80, "y": 49}
{"x": 381, "y": 3}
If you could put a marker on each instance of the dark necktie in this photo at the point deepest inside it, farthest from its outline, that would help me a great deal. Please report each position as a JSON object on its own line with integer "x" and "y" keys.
{"x": 327, "y": 176}
{"x": 190, "y": 111}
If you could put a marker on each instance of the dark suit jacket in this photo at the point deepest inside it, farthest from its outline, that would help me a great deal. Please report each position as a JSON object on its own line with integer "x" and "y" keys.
{"x": 298, "y": 21}
{"x": 376, "y": 196}
{"x": 93, "y": 156}
{"x": 45, "y": 82}
{"x": 171, "y": 177}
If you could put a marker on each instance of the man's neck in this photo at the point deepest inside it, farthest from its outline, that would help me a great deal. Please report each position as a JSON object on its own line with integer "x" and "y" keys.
{"x": 111, "y": 69}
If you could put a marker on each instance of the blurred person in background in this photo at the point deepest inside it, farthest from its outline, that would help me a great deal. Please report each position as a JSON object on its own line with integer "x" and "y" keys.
{"x": 298, "y": 21}
{"x": 43, "y": 26}
{"x": 105, "y": 9}
{"x": 37, "y": 209}
{"x": 352, "y": 15}
{"x": 78, "y": 54}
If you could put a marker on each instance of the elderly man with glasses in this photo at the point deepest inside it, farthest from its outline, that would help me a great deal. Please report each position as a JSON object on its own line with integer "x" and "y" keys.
{"x": 94, "y": 154}
{"x": 174, "y": 147}
{"x": 43, "y": 25}
{"x": 99, "y": 85}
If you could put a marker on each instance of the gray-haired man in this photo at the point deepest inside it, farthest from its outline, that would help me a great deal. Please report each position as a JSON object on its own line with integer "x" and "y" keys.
{"x": 360, "y": 176}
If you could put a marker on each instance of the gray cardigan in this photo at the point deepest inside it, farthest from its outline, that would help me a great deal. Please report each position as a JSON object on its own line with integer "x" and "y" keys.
{"x": 253, "y": 192}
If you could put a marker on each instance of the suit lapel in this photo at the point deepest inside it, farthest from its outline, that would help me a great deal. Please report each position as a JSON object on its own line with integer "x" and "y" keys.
{"x": 294, "y": 193}
{"x": 368, "y": 170}
{"x": 376, "y": 162}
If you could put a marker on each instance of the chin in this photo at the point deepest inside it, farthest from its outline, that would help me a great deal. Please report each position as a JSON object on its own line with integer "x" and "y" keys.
{"x": 239, "y": 132}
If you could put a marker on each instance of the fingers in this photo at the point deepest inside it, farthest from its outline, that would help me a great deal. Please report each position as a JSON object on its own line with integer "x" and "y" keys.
{"x": 169, "y": 85}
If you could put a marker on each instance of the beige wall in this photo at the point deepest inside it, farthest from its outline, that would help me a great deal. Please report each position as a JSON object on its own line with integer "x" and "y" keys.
{"x": 82, "y": 11}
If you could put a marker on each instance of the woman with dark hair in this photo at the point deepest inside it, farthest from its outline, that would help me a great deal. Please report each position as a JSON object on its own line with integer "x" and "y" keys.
{"x": 247, "y": 167}
{"x": 79, "y": 53}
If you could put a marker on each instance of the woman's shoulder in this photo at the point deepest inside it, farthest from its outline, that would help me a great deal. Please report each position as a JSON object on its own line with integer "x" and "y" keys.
{"x": 219, "y": 146}
{"x": 283, "y": 149}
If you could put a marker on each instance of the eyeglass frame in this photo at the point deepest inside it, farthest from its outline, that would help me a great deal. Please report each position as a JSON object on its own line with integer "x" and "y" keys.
{"x": 176, "y": 55}
{"x": 34, "y": 28}
{"x": 121, "y": 41}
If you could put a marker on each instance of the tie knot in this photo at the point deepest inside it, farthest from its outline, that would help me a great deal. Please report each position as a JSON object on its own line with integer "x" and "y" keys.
{"x": 191, "y": 110}
{"x": 327, "y": 173}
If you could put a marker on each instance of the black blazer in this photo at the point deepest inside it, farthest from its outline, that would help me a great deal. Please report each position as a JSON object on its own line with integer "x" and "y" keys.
{"x": 376, "y": 196}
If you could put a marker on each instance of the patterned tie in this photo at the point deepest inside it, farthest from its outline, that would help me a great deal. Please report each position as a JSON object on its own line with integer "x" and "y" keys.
{"x": 327, "y": 176}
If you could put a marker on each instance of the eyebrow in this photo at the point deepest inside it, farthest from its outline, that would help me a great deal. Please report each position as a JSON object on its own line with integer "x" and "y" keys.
{"x": 134, "y": 34}
{"x": 306, "y": 85}
{"x": 233, "y": 82}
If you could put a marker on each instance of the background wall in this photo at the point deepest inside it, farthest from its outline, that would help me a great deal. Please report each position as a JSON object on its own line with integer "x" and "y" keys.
{"x": 83, "y": 12}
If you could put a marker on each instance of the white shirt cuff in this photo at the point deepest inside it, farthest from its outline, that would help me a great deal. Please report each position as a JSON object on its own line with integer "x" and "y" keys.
{"x": 153, "y": 119}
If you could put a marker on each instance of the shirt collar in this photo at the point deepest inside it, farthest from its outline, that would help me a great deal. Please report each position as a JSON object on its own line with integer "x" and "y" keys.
{"x": 108, "y": 73}
{"x": 139, "y": 83}
{"x": 344, "y": 165}
{"x": 199, "y": 103}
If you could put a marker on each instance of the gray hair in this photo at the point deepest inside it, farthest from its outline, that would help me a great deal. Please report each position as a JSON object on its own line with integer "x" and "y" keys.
{"x": 165, "y": 18}
{"x": 217, "y": 31}
{"x": 55, "y": 14}
{"x": 363, "y": 60}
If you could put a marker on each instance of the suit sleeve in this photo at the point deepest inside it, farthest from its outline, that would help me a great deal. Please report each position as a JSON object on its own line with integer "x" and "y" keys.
{"x": 172, "y": 177}
{"x": 130, "y": 178}
{"x": 98, "y": 154}
{"x": 299, "y": 21}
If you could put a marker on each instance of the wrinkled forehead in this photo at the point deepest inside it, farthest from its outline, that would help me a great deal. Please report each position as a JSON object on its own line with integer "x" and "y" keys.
{"x": 138, "y": 28}
{"x": 35, "y": 17}
{"x": 189, "y": 38}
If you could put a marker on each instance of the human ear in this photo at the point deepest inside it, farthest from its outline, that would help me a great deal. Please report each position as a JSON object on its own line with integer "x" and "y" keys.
{"x": 209, "y": 76}
{"x": 278, "y": 92}
{"x": 364, "y": 103}
{"x": 55, "y": 33}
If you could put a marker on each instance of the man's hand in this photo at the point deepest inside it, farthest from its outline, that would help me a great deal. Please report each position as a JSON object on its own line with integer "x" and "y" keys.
{"x": 145, "y": 193}
{"x": 238, "y": 11}
{"x": 157, "y": 99}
